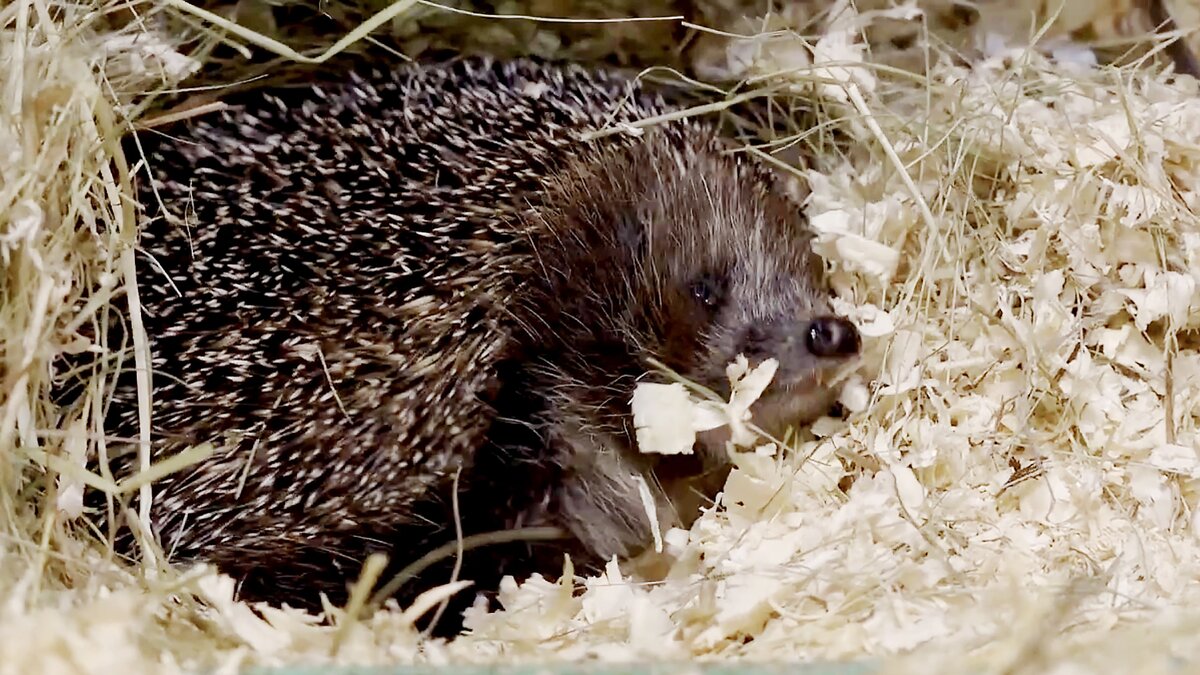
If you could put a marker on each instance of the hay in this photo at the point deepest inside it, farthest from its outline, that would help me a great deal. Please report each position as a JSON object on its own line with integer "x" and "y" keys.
{"x": 1014, "y": 487}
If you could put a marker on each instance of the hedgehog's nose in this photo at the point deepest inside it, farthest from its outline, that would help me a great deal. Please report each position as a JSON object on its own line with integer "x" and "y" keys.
{"x": 832, "y": 336}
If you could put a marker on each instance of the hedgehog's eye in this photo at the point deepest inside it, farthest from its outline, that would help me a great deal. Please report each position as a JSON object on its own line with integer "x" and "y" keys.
{"x": 708, "y": 291}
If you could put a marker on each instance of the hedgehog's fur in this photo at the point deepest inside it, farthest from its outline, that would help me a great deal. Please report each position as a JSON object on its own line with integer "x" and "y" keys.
{"x": 385, "y": 281}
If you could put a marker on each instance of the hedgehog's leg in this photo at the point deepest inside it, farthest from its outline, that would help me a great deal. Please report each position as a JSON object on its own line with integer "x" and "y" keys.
{"x": 601, "y": 497}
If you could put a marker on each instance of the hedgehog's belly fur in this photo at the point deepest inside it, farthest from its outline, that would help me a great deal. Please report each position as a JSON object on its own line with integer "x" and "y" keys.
{"x": 334, "y": 318}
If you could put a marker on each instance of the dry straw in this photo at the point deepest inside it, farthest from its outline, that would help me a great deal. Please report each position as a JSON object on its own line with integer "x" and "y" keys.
{"x": 1014, "y": 487}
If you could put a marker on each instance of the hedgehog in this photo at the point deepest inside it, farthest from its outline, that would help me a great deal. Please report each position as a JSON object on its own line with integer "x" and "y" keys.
{"x": 414, "y": 305}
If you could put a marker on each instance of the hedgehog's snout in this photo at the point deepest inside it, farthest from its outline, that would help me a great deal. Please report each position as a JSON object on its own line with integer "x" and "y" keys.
{"x": 809, "y": 351}
{"x": 802, "y": 347}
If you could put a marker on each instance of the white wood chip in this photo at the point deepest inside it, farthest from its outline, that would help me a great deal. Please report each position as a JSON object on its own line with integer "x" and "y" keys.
{"x": 663, "y": 417}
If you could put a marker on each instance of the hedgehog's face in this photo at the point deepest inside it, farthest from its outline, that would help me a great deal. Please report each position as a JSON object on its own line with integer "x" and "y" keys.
{"x": 720, "y": 312}
{"x": 755, "y": 300}
{"x": 667, "y": 248}
{"x": 730, "y": 269}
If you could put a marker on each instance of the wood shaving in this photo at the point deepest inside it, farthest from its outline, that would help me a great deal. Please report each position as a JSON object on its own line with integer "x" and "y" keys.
{"x": 667, "y": 416}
